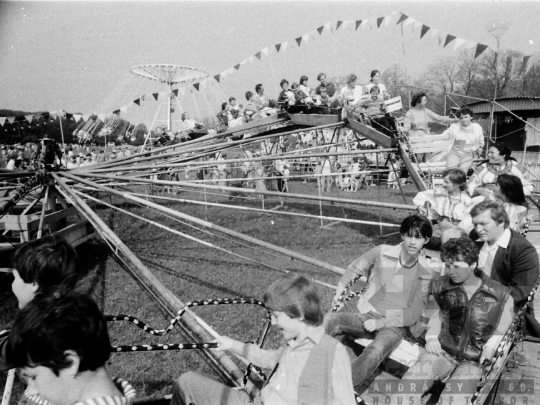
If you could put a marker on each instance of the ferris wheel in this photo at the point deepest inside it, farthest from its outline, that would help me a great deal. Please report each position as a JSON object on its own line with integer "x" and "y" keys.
{"x": 169, "y": 74}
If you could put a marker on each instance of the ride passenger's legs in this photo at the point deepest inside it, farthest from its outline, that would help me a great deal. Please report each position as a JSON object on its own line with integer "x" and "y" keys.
{"x": 458, "y": 160}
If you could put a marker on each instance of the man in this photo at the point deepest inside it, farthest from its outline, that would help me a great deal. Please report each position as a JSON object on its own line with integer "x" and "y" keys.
{"x": 507, "y": 257}
{"x": 330, "y": 90}
{"x": 265, "y": 105}
{"x": 192, "y": 127}
{"x": 470, "y": 315}
{"x": 397, "y": 294}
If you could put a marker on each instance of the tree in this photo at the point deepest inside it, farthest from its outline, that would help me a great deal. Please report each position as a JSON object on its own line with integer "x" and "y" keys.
{"x": 397, "y": 83}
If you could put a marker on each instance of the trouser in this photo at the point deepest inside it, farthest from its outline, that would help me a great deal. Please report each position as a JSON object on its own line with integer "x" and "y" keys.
{"x": 192, "y": 388}
{"x": 326, "y": 182}
{"x": 431, "y": 367}
{"x": 351, "y": 326}
{"x": 460, "y": 160}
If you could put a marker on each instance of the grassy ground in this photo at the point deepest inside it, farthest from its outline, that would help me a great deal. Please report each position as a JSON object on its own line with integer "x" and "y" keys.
{"x": 193, "y": 272}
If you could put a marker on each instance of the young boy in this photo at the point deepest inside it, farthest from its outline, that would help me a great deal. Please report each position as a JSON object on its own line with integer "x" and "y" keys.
{"x": 41, "y": 266}
{"x": 312, "y": 368}
{"x": 399, "y": 278}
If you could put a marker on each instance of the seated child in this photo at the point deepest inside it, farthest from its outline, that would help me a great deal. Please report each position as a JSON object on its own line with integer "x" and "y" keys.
{"x": 311, "y": 368}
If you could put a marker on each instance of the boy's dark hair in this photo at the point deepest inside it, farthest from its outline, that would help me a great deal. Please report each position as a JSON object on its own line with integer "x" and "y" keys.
{"x": 466, "y": 111}
{"x": 50, "y": 325}
{"x": 49, "y": 262}
{"x": 417, "y": 226}
{"x": 297, "y": 297}
{"x": 460, "y": 249}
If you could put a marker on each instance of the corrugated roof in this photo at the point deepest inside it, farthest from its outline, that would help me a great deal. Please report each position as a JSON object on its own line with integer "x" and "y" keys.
{"x": 511, "y": 103}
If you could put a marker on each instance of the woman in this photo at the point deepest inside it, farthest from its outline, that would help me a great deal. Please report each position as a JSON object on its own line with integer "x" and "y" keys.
{"x": 224, "y": 115}
{"x": 466, "y": 141}
{"x": 286, "y": 97}
{"x": 60, "y": 345}
{"x": 376, "y": 111}
{"x": 418, "y": 118}
{"x": 376, "y": 81}
{"x": 446, "y": 206}
{"x": 484, "y": 180}
{"x": 351, "y": 94}
{"x": 304, "y": 89}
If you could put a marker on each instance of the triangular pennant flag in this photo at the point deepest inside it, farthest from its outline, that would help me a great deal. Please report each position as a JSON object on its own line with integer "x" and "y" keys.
{"x": 379, "y": 21}
{"x": 459, "y": 42}
{"x": 156, "y": 96}
{"x": 53, "y": 114}
{"x": 102, "y": 117}
{"x": 175, "y": 92}
{"x": 162, "y": 94}
{"x": 224, "y": 74}
{"x": 196, "y": 85}
{"x": 387, "y": 20}
{"x": 124, "y": 109}
{"x": 524, "y": 64}
{"x": 469, "y": 44}
{"x": 338, "y": 24}
{"x": 250, "y": 59}
{"x": 480, "y": 48}
{"x": 77, "y": 117}
{"x": 258, "y": 55}
{"x": 449, "y": 38}
{"x": 138, "y": 101}
{"x": 85, "y": 117}
{"x": 244, "y": 62}
{"x": 305, "y": 38}
{"x": 237, "y": 66}
{"x": 284, "y": 45}
{"x": 358, "y": 23}
{"x": 345, "y": 24}
{"x": 434, "y": 32}
{"x": 328, "y": 25}
{"x": 11, "y": 120}
{"x": 365, "y": 23}
{"x": 29, "y": 117}
{"x": 2, "y": 120}
{"x": 116, "y": 112}
{"x": 402, "y": 18}
{"x": 423, "y": 31}
{"x": 417, "y": 24}
{"x": 313, "y": 35}
{"x": 278, "y": 46}
{"x": 441, "y": 38}
{"x": 298, "y": 40}
{"x": 265, "y": 51}
{"x": 182, "y": 91}
{"x": 320, "y": 29}
{"x": 215, "y": 77}
{"x": 408, "y": 21}
{"x": 230, "y": 71}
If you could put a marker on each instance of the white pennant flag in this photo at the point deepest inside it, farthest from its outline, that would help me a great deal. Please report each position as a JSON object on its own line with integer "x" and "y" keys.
{"x": 203, "y": 84}
{"x": 2, "y": 120}
{"x": 458, "y": 42}
{"x": 223, "y": 74}
{"x": 265, "y": 51}
{"x": 162, "y": 94}
{"x": 77, "y": 117}
{"x": 388, "y": 18}
{"x": 284, "y": 45}
{"x": 417, "y": 24}
{"x": 243, "y": 62}
{"x": 102, "y": 117}
{"x": 305, "y": 38}
{"x": 11, "y": 120}
{"x": 328, "y": 25}
{"x": 85, "y": 117}
{"x": 364, "y": 23}
{"x": 345, "y": 24}
{"x": 53, "y": 114}
{"x": 29, "y": 117}
{"x": 124, "y": 109}
{"x": 230, "y": 71}
{"x": 469, "y": 44}
{"x": 434, "y": 32}
{"x": 250, "y": 59}
{"x": 408, "y": 21}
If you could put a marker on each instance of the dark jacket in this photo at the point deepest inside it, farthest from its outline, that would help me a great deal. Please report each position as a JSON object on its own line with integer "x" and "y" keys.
{"x": 468, "y": 324}
{"x": 517, "y": 267}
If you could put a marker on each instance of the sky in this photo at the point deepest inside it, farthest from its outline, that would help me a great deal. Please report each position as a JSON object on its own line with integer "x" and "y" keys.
{"x": 77, "y": 56}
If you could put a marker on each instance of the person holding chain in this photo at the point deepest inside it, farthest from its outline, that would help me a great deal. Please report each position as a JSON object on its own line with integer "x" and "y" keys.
{"x": 466, "y": 141}
{"x": 484, "y": 179}
{"x": 398, "y": 279}
{"x": 445, "y": 206}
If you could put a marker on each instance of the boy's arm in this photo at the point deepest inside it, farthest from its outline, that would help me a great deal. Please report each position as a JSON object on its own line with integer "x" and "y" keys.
{"x": 361, "y": 266}
{"x": 342, "y": 378}
{"x": 254, "y": 354}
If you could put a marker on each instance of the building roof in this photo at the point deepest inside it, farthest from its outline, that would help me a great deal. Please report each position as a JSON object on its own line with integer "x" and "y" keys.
{"x": 511, "y": 103}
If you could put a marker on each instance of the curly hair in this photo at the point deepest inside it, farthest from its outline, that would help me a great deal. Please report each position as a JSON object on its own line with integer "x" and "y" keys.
{"x": 460, "y": 249}
{"x": 417, "y": 98}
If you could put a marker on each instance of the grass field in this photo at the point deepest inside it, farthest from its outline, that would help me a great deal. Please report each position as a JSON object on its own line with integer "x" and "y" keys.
{"x": 193, "y": 272}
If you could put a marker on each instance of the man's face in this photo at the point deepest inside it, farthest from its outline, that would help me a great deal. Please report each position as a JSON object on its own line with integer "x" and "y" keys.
{"x": 233, "y": 102}
{"x": 261, "y": 90}
{"x": 323, "y": 80}
{"x": 486, "y": 228}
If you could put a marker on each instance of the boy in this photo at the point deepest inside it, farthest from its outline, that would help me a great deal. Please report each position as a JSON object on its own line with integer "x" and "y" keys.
{"x": 399, "y": 278}
{"x": 312, "y": 368}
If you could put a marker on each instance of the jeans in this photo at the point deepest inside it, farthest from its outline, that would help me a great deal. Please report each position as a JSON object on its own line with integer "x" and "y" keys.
{"x": 460, "y": 160}
{"x": 351, "y": 325}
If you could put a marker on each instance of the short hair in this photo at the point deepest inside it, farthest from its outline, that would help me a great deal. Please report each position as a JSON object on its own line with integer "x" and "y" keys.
{"x": 52, "y": 324}
{"x": 460, "y": 249}
{"x": 417, "y": 226}
{"x": 456, "y": 176}
{"x": 223, "y": 105}
{"x": 258, "y": 87}
{"x": 319, "y": 76}
{"x": 351, "y": 78}
{"x": 294, "y": 85}
{"x": 297, "y": 297}
{"x": 512, "y": 188}
{"x": 373, "y": 73}
{"x": 281, "y": 83}
{"x": 466, "y": 111}
{"x": 374, "y": 88}
{"x": 417, "y": 98}
{"x": 50, "y": 262}
{"x": 497, "y": 212}
{"x": 303, "y": 79}
{"x": 249, "y": 94}
{"x": 504, "y": 149}
{"x": 231, "y": 99}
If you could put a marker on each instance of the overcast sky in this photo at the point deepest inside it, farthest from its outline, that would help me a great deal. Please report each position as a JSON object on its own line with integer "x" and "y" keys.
{"x": 77, "y": 56}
